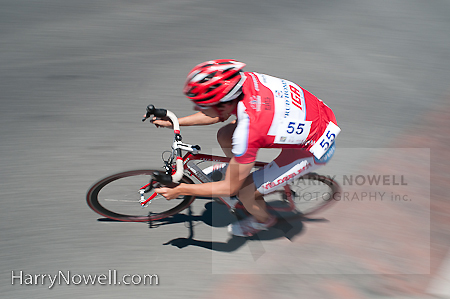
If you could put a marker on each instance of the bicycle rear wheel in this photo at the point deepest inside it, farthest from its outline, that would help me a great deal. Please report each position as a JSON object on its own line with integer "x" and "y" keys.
{"x": 307, "y": 195}
{"x": 117, "y": 197}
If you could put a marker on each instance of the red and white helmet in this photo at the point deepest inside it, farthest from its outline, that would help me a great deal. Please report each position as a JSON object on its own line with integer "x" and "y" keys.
{"x": 214, "y": 81}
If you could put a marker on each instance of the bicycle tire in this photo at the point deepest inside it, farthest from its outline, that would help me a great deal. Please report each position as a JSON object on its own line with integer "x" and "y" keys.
{"x": 310, "y": 194}
{"x": 124, "y": 188}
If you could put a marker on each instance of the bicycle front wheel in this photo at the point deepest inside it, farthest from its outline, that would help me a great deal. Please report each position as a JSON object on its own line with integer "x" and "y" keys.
{"x": 118, "y": 197}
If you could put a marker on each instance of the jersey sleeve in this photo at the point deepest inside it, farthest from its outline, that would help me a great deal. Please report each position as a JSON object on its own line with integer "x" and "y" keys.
{"x": 244, "y": 148}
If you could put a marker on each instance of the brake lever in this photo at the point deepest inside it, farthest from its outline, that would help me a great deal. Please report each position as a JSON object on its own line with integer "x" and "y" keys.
{"x": 150, "y": 111}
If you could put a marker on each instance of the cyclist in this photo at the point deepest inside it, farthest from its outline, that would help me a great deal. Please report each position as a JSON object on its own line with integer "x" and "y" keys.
{"x": 271, "y": 113}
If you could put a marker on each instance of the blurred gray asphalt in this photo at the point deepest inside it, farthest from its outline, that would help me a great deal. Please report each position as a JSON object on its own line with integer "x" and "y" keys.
{"x": 75, "y": 78}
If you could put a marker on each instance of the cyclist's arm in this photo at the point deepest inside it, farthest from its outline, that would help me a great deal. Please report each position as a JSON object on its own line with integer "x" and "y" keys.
{"x": 234, "y": 179}
{"x": 196, "y": 119}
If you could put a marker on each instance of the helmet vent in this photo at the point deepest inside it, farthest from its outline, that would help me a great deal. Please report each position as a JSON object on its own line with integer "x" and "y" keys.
{"x": 207, "y": 65}
{"x": 205, "y": 99}
{"x": 228, "y": 69}
{"x": 207, "y": 78}
{"x": 214, "y": 87}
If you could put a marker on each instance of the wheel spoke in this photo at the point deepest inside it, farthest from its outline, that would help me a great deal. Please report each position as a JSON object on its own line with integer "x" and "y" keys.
{"x": 117, "y": 197}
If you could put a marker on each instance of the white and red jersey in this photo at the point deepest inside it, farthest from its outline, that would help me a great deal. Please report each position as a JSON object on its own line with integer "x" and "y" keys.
{"x": 277, "y": 113}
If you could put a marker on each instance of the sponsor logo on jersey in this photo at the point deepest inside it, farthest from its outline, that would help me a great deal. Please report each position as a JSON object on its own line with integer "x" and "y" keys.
{"x": 264, "y": 78}
{"x": 278, "y": 93}
{"x": 287, "y": 100}
{"x": 285, "y": 89}
{"x": 255, "y": 103}
{"x": 267, "y": 103}
{"x": 255, "y": 81}
{"x": 288, "y": 108}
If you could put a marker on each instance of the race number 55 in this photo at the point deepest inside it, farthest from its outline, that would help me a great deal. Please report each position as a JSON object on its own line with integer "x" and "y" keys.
{"x": 291, "y": 128}
{"x": 325, "y": 143}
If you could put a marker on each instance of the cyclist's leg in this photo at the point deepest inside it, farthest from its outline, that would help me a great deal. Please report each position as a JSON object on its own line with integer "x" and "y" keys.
{"x": 225, "y": 137}
{"x": 248, "y": 195}
{"x": 289, "y": 165}
{"x": 253, "y": 200}
{"x": 255, "y": 205}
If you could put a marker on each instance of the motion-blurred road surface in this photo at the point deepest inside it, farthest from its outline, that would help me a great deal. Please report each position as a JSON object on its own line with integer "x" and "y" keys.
{"x": 75, "y": 79}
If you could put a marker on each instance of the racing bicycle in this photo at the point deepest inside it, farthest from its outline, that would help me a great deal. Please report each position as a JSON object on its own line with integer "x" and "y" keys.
{"x": 130, "y": 196}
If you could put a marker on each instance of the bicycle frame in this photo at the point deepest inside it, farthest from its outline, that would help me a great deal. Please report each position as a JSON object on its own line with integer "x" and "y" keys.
{"x": 231, "y": 202}
{"x": 183, "y": 164}
{"x": 198, "y": 173}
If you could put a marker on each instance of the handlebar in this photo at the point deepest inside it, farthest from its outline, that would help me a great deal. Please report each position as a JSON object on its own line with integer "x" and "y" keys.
{"x": 177, "y": 144}
{"x": 151, "y": 110}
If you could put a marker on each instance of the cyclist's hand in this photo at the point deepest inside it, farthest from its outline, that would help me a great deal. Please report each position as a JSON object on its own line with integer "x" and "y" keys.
{"x": 162, "y": 122}
{"x": 168, "y": 193}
